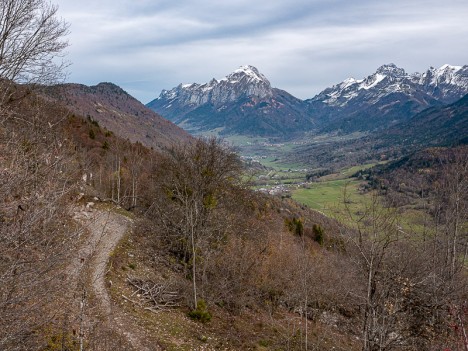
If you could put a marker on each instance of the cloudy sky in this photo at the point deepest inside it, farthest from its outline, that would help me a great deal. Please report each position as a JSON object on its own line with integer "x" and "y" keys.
{"x": 302, "y": 46}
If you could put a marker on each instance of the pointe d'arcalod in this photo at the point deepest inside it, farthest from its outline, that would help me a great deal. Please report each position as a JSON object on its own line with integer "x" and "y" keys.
{"x": 243, "y": 102}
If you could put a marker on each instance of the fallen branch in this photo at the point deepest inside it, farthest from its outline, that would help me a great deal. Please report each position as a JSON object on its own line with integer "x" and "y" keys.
{"x": 130, "y": 300}
{"x": 158, "y": 296}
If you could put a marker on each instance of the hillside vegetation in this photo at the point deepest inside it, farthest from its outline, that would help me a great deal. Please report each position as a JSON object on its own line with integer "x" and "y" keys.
{"x": 208, "y": 256}
{"x": 116, "y": 110}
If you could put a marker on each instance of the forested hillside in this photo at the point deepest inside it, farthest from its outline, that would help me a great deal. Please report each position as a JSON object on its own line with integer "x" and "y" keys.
{"x": 116, "y": 110}
{"x": 215, "y": 250}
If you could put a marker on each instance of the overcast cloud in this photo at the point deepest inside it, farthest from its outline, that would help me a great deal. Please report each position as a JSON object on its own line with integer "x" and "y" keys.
{"x": 302, "y": 46}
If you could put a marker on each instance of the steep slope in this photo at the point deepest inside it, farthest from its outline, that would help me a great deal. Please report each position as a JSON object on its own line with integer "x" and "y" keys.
{"x": 46, "y": 159}
{"x": 119, "y": 112}
{"x": 387, "y": 97}
{"x": 438, "y": 126}
{"x": 241, "y": 103}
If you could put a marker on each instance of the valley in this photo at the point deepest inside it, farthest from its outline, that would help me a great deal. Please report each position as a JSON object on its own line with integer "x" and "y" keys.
{"x": 271, "y": 169}
{"x": 340, "y": 193}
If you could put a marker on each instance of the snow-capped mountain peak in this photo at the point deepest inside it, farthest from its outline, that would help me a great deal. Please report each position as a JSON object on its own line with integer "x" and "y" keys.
{"x": 248, "y": 71}
{"x": 444, "y": 74}
{"x": 244, "y": 81}
{"x": 450, "y": 67}
{"x": 241, "y": 102}
{"x": 445, "y": 83}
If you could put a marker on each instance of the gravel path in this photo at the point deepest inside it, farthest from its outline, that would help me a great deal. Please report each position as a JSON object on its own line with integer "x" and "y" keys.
{"x": 107, "y": 228}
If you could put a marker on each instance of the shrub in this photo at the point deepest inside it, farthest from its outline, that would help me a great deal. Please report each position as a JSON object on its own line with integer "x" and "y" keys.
{"x": 295, "y": 225}
{"x": 318, "y": 234}
{"x": 201, "y": 312}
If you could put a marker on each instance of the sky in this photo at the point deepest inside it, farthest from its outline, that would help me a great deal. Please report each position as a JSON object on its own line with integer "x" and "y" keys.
{"x": 301, "y": 46}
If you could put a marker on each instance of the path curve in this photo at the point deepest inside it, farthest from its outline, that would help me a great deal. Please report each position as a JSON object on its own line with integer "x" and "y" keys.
{"x": 106, "y": 229}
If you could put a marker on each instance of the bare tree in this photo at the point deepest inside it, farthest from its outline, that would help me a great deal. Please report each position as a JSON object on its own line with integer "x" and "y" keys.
{"x": 374, "y": 238}
{"x": 411, "y": 286}
{"x": 37, "y": 178}
{"x": 31, "y": 41}
{"x": 194, "y": 180}
{"x": 451, "y": 206}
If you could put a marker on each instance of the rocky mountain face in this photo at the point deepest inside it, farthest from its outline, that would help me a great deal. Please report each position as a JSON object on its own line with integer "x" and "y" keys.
{"x": 243, "y": 82}
{"x": 243, "y": 102}
{"x": 387, "y": 97}
{"x": 119, "y": 112}
{"x": 446, "y": 84}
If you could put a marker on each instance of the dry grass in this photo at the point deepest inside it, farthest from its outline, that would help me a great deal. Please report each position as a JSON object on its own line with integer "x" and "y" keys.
{"x": 250, "y": 329}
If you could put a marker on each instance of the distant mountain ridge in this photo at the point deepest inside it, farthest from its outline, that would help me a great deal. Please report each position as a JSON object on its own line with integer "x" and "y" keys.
{"x": 245, "y": 103}
{"x": 243, "y": 82}
{"x": 446, "y": 84}
{"x": 445, "y": 126}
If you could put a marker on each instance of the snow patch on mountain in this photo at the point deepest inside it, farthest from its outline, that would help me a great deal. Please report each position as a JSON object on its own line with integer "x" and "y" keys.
{"x": 372, "y": 82}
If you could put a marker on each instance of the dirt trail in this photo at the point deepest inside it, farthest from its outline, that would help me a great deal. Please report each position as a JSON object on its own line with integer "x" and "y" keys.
{"x": 106, "y": 229}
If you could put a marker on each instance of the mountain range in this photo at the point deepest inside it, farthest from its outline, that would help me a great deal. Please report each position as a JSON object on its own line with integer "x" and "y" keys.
{"x": 398, "y": 111}
{"x": 244, "y": 102}
{"x": 387, "y": 97}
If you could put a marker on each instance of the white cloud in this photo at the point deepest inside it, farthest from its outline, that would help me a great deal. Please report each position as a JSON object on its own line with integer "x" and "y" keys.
{"x": 302, "y": 46}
